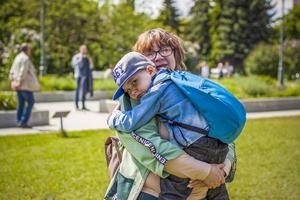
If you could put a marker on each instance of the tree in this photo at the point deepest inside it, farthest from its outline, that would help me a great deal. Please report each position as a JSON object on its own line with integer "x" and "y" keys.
{"x": 292, "y": 23}
{"x": 108, "y": 31}
{"x": 237, "y": 26}
{"x": 169, "y": 15}
{"x": 199, "y": 25}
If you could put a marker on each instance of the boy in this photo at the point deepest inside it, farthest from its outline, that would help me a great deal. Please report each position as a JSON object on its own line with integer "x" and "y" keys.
{"x": 136, "y": 76}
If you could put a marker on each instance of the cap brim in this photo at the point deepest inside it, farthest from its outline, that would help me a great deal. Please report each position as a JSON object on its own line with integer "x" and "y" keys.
{"x": 118, "y": 93}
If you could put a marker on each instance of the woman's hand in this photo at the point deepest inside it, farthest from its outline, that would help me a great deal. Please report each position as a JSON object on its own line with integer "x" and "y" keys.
{"x": 196, "y": 183}
{"x": 215, "y": 177}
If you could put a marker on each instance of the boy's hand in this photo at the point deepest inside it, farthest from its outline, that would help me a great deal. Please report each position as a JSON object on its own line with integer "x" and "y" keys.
{"x": 118, "y": 106}
{"x": 215, "y": 177}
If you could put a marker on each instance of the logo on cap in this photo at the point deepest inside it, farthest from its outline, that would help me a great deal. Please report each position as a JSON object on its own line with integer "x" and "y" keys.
{"x": 117, "y": 72}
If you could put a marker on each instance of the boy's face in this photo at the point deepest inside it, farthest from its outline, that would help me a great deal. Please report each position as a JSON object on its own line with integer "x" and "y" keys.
{"x": 139, "y": 83}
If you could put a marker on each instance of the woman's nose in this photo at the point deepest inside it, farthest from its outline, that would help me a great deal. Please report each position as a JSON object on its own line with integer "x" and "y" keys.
{"x": 158, "y": 57}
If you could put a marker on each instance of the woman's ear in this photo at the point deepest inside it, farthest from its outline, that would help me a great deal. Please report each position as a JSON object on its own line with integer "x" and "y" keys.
{"x": 151, "y": 69}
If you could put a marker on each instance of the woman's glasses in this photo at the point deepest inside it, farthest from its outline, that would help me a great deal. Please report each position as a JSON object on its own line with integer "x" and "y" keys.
{"x": 164, "y": 52}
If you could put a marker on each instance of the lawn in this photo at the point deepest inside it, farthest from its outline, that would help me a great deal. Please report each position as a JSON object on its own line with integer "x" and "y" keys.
{"x": 51, "y": 167}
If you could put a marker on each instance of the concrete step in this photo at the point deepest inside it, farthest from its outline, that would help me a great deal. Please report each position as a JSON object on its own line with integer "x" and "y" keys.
{"x": 38, "y": 118}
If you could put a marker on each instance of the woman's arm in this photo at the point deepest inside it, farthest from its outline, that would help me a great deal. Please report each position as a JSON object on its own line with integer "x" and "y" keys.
{"x": 146, "y": 145}
{"x": 161, "y": 156}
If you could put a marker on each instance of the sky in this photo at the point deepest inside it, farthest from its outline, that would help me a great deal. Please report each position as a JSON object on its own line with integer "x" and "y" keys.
{"x": 152, "y": 7}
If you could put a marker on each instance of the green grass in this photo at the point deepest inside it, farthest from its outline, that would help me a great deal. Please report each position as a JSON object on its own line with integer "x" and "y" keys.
{"x": 45, "y": 166}
{"x": 268, "y": 160}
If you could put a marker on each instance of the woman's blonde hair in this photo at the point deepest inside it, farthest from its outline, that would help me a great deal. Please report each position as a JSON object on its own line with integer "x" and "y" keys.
{"x": 161, "y": 37}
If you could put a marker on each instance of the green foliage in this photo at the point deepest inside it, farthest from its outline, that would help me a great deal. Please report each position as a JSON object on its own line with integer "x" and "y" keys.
{"x": 259, "y": 86}
{"x": 199, "y": 24}
{"x": 264, "y": 58}
{"x": 169, "y": 15}
{"x": 236, "y": 27}
{"x": 109, "y": 31}
{"x": 7, "y": 101}
{"x": 53, "y": 83}
{"x": 105, "y": 84}
{"x": 68, "y": 83}
{"x": 292, "y": 23}
{"x": 75, "y": 167}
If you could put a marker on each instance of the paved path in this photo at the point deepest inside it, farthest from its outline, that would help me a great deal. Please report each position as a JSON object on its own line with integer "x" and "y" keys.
{"x": 76, "y": 120}
{"x": 92, "y": 119}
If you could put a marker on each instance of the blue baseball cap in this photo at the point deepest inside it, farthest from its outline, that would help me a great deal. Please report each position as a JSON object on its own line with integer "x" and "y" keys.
{"x": 129, "y": 64}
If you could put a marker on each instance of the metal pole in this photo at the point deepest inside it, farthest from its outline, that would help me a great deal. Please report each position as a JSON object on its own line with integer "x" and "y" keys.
{"x": 280, "y": 72}
{"x": 62, "y": 131}
{"x": 42, "y": 23}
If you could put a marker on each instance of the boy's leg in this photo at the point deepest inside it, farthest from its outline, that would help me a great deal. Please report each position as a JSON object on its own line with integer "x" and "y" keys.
{"x": 210, "y": 150}
{"x": 174, "y": 188}
{"x": 146, "y": 196}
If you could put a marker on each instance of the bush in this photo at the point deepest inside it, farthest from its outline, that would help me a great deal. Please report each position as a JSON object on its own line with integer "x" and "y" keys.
{"x": 264, "y": 59}
{"x": 7, "y": 101}
{"x": 54, "y": 82}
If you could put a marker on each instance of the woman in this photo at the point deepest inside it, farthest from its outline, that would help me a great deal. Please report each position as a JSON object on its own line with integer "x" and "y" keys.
{"x": 165, "y": 157}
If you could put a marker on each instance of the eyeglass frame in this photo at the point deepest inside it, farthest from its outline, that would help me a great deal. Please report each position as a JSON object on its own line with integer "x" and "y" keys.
{"x": 156, "y": 52}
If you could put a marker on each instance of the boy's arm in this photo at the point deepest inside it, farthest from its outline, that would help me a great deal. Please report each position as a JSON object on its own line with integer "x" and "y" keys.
{"x": 128, "y": 121}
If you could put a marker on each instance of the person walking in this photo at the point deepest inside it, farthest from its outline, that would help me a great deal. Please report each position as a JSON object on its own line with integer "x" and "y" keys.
{"x": 82, "y": 65}
{"x": 24, "y": 81}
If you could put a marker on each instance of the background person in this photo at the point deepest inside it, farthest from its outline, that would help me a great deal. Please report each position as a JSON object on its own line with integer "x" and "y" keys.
{"x": 204, "y": 69}
{"x": 24, "y": 81}
{"x": 82, "y": 65}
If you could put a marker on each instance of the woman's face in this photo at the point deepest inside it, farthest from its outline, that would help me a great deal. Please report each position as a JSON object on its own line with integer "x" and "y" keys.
{"x": 163, "y": 61}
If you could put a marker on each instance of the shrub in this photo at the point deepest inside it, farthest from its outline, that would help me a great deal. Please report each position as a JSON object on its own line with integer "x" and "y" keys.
{"x": 7, "y": 101}
{"x": 264, "y": 59}
{"x": 54, "y": 82}
{"x": 257, "y": 87}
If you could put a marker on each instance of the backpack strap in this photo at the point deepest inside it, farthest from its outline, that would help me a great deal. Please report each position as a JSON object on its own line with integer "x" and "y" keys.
{"x": 185, "y": 126}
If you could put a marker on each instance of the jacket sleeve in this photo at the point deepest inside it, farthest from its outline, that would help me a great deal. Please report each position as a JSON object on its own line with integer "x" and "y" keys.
{"x": 130, "y": 120}
{"x": 146, "y": 145}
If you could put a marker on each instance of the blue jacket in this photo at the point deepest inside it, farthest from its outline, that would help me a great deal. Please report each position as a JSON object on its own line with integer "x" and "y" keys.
{"x": 163, "y": 98}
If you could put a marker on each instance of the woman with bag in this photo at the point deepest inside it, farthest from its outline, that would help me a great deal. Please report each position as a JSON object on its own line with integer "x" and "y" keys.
{"x": 146, "y": 155}
{"x": 24, "y": 81}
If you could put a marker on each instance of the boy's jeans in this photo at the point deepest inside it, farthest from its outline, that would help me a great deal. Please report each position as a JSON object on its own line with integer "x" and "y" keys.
{"x": 23, "y": 114}
{"x": 206, "y": 149}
